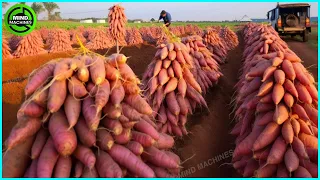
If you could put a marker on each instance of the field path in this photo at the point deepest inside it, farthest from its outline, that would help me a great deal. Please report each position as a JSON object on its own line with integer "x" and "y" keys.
{"x": 209, "y": 144}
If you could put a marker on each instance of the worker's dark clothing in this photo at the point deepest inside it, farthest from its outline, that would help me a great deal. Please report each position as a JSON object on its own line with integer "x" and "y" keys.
{"x": 166, "y": 18}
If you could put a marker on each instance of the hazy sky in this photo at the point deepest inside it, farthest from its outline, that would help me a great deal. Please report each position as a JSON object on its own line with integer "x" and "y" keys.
{"x": 179, "y": 11}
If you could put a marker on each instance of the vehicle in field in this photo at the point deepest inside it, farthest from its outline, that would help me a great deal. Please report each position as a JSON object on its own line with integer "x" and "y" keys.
{"x": 291, "y": 19}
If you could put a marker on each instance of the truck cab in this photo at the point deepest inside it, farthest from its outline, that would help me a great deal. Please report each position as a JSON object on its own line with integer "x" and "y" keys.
{"x": 291, "y": 19}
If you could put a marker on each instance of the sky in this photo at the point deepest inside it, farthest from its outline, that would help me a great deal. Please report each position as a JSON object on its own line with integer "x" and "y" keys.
{"x": 197, "y": 11}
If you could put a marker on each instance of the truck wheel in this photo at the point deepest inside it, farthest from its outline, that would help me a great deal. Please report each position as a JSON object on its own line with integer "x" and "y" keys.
{"x": 305, "y": 36}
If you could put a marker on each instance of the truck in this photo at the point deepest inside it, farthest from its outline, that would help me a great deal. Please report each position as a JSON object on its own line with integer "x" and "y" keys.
{"x": 291, "y": 19}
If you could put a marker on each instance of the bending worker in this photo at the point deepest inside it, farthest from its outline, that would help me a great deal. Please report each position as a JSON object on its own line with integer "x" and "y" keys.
{"x": 166, "y": 18}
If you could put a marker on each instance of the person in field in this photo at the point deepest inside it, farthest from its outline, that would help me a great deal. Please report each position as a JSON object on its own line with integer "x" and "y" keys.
{"x": 166, "y": 18}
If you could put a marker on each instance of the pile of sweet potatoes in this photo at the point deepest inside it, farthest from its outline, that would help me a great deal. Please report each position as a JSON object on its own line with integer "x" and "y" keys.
{"x": 75, "y": 36}
{"x": 215, "y": 44}
{"x": 170, "y": 87}
{"x": 230, "y": 38}
{"x": 206, "y": 68}
{"x": 84, "y": 117}
{"x": 276, "y": 110}
{"x": 6, "y": 52}
{"x": 133, "y": 37}
{"x": 58, "y": 41}
{"x": 117, "y": 21}
{"x": 99, "y": 39}
{"x": 29, "y": 45}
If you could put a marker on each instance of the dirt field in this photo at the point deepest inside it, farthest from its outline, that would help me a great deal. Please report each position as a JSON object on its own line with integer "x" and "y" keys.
{"x": 208, "y": 145}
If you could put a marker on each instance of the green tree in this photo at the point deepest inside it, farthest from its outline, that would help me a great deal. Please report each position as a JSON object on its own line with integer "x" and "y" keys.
{"x": 152, "y": 19}
{"x": 37, "y": 7}
{"x": 4, "y": 4}
{"x": 22, "y": 2}
{"x": 50, "y": 7}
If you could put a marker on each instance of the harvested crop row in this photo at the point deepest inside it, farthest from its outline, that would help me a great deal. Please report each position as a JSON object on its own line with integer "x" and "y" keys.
{"x": 99, "y": 39}
{"x": 6, "y": 54}
{"x": 133, "y": 37}
{"x": 206, "y": 69}
{"x": 276, "y": 110}
{"x": 230, "y": 38}
{"x": 44, "y": 32}
{"x": 29, "y": 45}
{"x": 171, "y": 89}
{"x": 117, "y": 20}
{"x": 75, "y": 36}
{"x": 89, "y": 121}
{"x": 215, "y": 44}
{"x": 58, "y": 41}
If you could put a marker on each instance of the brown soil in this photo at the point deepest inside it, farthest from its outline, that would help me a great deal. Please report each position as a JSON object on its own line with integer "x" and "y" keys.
{"x": 21, "y": 67}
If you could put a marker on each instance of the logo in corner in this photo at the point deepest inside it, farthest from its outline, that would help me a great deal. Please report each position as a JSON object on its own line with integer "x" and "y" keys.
{"x": 20, "y": 19}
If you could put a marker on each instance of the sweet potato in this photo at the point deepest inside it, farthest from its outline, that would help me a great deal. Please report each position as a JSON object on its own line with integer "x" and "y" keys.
{"x": 40, "y": 141}
{"x": 89, "y": 173}
{"x": 281, "y": 114}
{"x": 86, "y": 137}
{"x": 72, "y": 108}
{"x": 268, "y": 135}
{"x": 172, "y": 103}
{"x": 139, "y": 104}
{"x": 32, "y": 170}
{"x": 303, "y": 93}
{"x": 301, "y": 172}
{"x": 277, "y": 93}
{"x": 282, "y": 171}
{"x": 288, "y": 70}
{"x": 63, "y": 167}
{"x": 135, "y": 147}
{"x": 76, "y": 88}
{"x": 62, "y": 71}
{"x": 39, "y": 78}
{"x": 291, "y": 160}
{"x": 266, "y": 171}
{"x": 104, "y": 139}
{"x": 289, "y": 86}
{"x": 90, "y": 114}
{"x": 287, "y": 132}
{"x": 164, "y": 142}
{"x": 144, "y": 127}
{"x": 102, "y": 96}
{"x": 127, "y": 159}
{"x": 159, "y": 158}
{"x": 16, "y": 160}
{"x": 23, "y": 130}
{"x": 97, "y": 70}
{"x": 309, "y": 140}
{"x": 47, "y": 160}
{"x": 295, "y": 126}
{"x": 31, "y": 109}
{"x": 250, "y": 168}
{"x": 111, "y": 72}
{"x": 106, "y": 166}
{"x": 113, "y": 125}
{"x": 57, "y": 95}
{"x": 142, "y": 138}
{"x": 124, "y": 137}
{"x": 85, "y": 155}
{"x": 182, "y": 87}
{"x": 277, "y": 151}
{"x": 171, "y": 85}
